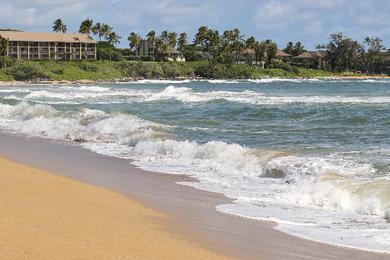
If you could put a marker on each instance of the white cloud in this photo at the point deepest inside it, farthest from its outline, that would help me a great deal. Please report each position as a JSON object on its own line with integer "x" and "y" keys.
{"x": 37, "y": 14}
{"x": 310, "y": 21}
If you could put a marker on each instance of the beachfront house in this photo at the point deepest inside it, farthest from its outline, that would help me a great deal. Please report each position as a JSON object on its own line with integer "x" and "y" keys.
{"x": 148, "y": 51}
{"x": 315, "y": 59}
{"x": 248, "y": 56}
{"x": 281, "y": 55}
{"x": 176, "y": 55}
{"x": 49, "y": 46}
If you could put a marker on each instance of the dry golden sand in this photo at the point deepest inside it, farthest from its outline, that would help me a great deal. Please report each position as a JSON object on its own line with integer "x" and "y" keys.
{"x": 45, "y": 216}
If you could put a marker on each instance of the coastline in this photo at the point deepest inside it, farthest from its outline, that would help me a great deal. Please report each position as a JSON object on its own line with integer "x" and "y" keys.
{"x": 194, "y": 210}
{"x": 48, "y": 216}
{"x": 129, "y": 80}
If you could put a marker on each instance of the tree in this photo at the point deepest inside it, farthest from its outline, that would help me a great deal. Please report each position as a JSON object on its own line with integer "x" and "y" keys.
{"x": 182, "y": 41}
{"x": 4, "y": 45}
{"x": 250, "y": 43}
{"x": 106, "y": 31}
{"x": 86, "y": 26}
{"x": 374, "y": 55}
{"x": 97, "y": 30}
{"x": 233, "y": 40}
{"x": 344, "y": 53}
{"x": 151, "y": 38}
{"x": 172, "y": 40}
{"x": 135, "y": 42}
{"x": 271, "y": 49}
{"x": 107, "y": 51}
{"x": 207, "y": 39}
{"x": 113, "y": 39}
{"x": 265, "y": 52}
{"x": 59, "y": 26}
{"x": 289, "y": 48}
{"x": 298, "y": 49}
{"x": 166, "y": 43}
{"x": 294, "y": 50}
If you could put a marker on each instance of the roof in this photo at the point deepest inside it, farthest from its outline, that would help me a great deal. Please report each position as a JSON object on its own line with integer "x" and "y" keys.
{"x": 46, "y": 37}
{"x": 305, "y": 55}
{"x": 248, "y": 51}
{"x": 312, "y": 55}
{"x": 204, "y": 55}
{"x": 175, "y": 51}
{"x": 280, "y": 53}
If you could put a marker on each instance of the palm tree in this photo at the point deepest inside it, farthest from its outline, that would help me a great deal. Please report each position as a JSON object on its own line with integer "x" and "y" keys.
{"x": 250, "y": 43}
{"x": 165, "y": 43}
{"x": 59, "y": 26}
{"x": 97, "y": 30}
{"x": 182, "y": 41}
{"x": 113, "y": 39}
{"x": 4, "y": 45}
{"x": 86, "y": 26}
{"x": 151, "y": 37}
{"x": 172, "y": 36}
{"x": 106, "y": 31}
{"x": 172, "y": 41}
{"x": 135, "y": 42}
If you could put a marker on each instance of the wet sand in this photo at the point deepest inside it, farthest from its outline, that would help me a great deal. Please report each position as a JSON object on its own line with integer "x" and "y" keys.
{"x": 193, "y": 211}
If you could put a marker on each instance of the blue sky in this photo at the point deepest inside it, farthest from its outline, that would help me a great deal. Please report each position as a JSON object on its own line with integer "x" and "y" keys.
{"x": 310, "y": 21}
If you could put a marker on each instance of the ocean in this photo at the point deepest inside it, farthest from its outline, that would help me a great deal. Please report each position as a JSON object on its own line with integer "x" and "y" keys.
{"x": 312, "y": 156}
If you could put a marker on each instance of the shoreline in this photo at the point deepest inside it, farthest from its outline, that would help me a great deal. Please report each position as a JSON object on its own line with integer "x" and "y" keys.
{"x": 219, "y": 236}
{"x": 55, "y": 217}
{"x": 130, "y": 80}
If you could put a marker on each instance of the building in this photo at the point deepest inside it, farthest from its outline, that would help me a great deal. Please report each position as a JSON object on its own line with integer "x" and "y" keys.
{"x": 280, "y": 54}
{"x": 248, "y": 56}
{"x": 49, "y": 46}
{"x": 176, "y": 55}
{"x": 147, "y": 49}
{"x": 319, "y": 58}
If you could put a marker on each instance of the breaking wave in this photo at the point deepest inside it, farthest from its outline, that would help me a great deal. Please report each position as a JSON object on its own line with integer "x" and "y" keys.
{"x": 330, "y": 197}
{"x": 182, "y": 94}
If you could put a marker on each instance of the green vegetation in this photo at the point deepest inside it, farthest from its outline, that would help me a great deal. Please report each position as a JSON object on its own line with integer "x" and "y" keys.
{"x": 211, "y": 54}
{"x": 118, "y": 70}
{"x": 59, "y": 26}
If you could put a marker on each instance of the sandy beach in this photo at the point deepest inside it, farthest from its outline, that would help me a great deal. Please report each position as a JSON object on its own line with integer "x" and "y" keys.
{"x": 44, "y": 216}
{"x": 195, "y": 219}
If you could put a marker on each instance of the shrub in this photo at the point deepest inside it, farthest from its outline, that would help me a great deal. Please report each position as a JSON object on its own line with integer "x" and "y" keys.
{"x": 58, "y": 71}
{"x": 175, "y": 70}
{"x": 28, "y": 71}
{"x": 149, "y": 70}
{"x": 88, "y": 66}
{"x": 278, "y": 64}
{"x": 106, "y": 51}
{"x": 6, "y": 62}
{"x": 218, "y": 71}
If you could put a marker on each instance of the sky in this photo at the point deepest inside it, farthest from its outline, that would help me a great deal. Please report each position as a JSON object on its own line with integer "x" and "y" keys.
{"x": 308, "y": 21}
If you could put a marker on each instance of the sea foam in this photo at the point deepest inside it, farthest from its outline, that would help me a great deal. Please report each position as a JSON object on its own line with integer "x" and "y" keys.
{"x": 328, "y": 197}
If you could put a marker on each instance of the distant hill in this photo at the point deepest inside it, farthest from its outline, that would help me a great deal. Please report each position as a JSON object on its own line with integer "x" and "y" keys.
{"x": 7, "y": 29}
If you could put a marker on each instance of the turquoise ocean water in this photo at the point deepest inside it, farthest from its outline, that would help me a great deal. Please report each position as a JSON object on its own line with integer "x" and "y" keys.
{"x": 311, "y": 155}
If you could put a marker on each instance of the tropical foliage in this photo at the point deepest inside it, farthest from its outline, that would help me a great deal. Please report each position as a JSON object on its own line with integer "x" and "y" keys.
{"x": 86, "y": 26}
{"x": 221, "y": 51}
{"x": 59, "y": 26}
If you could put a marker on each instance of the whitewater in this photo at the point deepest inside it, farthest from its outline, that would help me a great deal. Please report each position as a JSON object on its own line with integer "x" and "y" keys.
{"x": 312, "y": 156}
